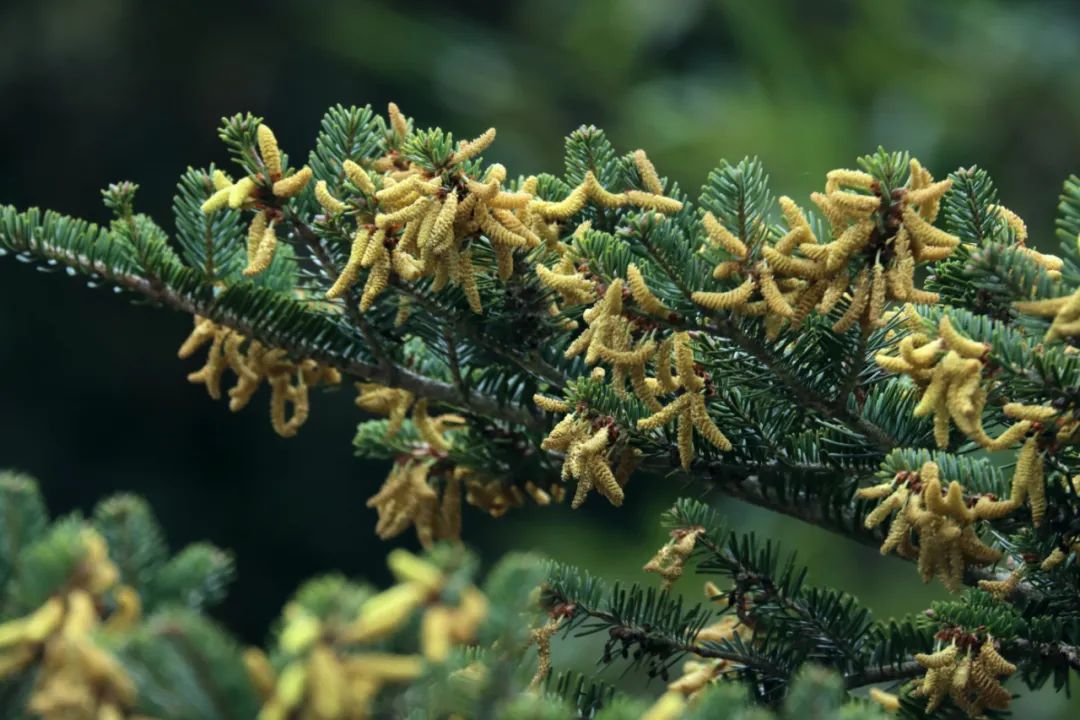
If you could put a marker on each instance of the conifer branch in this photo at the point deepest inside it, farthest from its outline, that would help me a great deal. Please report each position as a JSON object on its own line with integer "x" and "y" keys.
{"x": 748, "y": 342}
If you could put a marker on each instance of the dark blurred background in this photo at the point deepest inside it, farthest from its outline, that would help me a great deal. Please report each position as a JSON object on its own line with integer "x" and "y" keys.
{"x": 92, "y": 397}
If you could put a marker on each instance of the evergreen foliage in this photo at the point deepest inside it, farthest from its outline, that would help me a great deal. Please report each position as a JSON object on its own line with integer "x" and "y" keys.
{"x": 864, "y": 366}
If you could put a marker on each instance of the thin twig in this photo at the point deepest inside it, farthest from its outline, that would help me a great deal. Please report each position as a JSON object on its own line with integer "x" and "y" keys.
{"x": 883, "y": 673}
{"x": 847, "y": 387}
{"x": 836, "y": 410}
{"x": 661, "y": 641}
{"x": 352, "y": 301}
{"x": 1067, "y": 654}
{"x": 452, "y": 359}
{"x": 765, "y": 592}
{"x": 420, "y": 385}
{"x": 743, "y": 482}
{"x": 533, "y": 365}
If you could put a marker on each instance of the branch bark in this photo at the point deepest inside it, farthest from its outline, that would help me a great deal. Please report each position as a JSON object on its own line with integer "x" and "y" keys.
{"x": 884, "y": 673}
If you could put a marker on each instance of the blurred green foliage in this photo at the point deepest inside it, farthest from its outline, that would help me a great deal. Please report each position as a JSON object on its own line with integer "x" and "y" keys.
{"x": 96, "y": 91}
